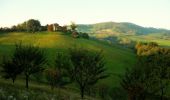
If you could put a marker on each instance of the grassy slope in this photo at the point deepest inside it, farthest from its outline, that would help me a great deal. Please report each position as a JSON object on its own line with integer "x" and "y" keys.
{"x": 159, "y": 38}
{"x": 117, "y": 58}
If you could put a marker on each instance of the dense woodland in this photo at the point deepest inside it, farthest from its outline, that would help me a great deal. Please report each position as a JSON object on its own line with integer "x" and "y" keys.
{"x": 148, "y": 79}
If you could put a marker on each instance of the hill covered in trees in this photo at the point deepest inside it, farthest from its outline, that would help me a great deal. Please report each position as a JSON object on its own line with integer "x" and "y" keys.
{"x": 123, "y": 28}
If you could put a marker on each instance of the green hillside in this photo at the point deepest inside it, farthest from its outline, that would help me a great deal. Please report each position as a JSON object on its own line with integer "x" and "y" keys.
{"x": 114, "y": 28}
{"x": 117, "y": 58}
{"x": 126, "y": 33}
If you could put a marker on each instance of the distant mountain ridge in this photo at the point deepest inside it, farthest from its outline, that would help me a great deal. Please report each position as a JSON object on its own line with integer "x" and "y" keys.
{"x": 115, "y": 28}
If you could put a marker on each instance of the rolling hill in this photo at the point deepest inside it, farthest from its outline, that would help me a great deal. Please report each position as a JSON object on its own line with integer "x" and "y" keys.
{"x": 126, "y": 33}
{"x": 117, "y": 58}
{"x": 123, "y": 28}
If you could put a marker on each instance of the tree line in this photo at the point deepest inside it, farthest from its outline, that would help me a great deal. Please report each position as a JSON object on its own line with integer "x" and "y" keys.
{"x": 33, "y": 26}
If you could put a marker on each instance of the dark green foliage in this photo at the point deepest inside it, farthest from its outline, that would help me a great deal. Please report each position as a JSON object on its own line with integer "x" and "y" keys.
{"x": 133, "y": 83}
{"x": 44, "y": 28}
{"x": 73, "y": 27}
{"x": 84, "y": 35}
{"x": 30, "y": 58}
{"x": 22, "y": 26}
{"x": 62, "y": 62}
{"x": 161, "y": 65}
{"x": 150, "y": 76}
{"x": 140, "y": 82}
{"x": 10, "y": 69}
{"x": 33, "y": 25}
{"x": 87, "y": 67}
{"x": 58, "y": 76}
{"x": 74, "y": 32}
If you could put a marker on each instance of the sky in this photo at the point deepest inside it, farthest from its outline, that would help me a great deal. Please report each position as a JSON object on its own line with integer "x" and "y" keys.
{"x": 147, "y": 13}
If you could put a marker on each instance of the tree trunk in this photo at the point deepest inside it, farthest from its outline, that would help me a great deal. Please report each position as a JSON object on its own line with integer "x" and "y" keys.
{"x": 58, "y": 92}
{"x": 13, "y": 80}
{"x": 27, "y": 78}
{"x": 82, "y": 92}
{"x": 162, "y": 90}
{"x": 162, "y": 93}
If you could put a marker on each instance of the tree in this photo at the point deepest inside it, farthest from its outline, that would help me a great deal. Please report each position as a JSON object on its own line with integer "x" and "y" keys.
{"x": 33, "y": 25}
{"x": 14, "y": 28}
{"x": 73, "y": 27}
{"x": 62, "y": 62}
{"x": 150, "y": 76}
{"x": 57, "y": 76}
{"x": 161, "y": 63}
{"x": 132, "y": 84}
{"x": 22, "y": 26}
{"x": 140, "y": 81}
{"x": 87, "y": 68}
{"x": 10, "y": 69}
{"x": 64, "y": 28}
{"x": 51, "y": 76}
{"x": 84, "y": 35}
{"x": 30, "y": 58}
{"x": 44, "y": 28}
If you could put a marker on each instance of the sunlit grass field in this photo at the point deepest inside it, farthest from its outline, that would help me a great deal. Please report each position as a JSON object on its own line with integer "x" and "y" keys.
{"x": 161, "y": 39}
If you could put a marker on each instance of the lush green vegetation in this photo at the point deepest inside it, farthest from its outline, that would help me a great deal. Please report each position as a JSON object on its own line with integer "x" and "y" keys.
{"x": 71, "y": 61}
{"x": 117, "y": 58}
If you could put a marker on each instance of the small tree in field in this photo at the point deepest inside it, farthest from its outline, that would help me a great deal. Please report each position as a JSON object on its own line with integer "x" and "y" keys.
{"x": 30, "y": 58}
{"x": 87, "y": 68}
{"x": 51, "y": 76}
{"x": 73, "y": 27}
{"x": 10, "y": 69}
{"x": 57, "y": 76}
{"x": 62, "y": 62}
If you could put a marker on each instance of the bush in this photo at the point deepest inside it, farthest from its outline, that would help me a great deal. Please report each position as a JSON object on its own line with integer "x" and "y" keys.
{"x": 84, "y": 35}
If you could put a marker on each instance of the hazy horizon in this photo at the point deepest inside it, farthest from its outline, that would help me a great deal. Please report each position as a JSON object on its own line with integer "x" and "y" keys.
{"x": 147, "y": 13}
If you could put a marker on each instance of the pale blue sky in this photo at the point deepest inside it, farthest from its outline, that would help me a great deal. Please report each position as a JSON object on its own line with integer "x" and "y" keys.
{"x": 149, "y": 13}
